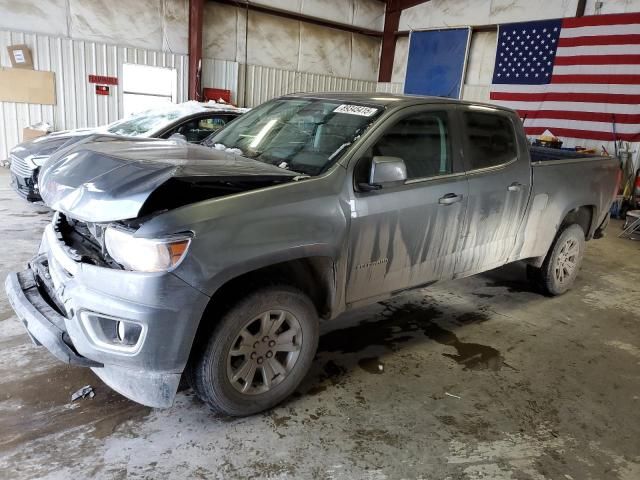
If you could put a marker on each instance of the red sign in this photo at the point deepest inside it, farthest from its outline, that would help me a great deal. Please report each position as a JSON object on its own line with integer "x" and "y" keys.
{"x": 103, "y": 80}
{"x": 102, "y": 90}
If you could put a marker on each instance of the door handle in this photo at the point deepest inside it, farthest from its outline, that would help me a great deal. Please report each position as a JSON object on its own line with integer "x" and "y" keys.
{"x": 515, "y": 187}
{"x": 449, "y": 198}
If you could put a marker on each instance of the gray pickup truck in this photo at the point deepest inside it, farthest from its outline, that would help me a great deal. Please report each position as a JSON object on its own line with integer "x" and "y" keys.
{"x": 166, "y": 258}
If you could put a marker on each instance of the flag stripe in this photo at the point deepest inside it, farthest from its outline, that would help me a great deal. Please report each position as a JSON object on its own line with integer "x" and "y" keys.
{"x": 572, "y": 107}
{"x": 598, "y": 60}
{"x": 574, "y": 88}
{"x": 630, "y": 29}
{"x": 597, "y": 69}
{"x": 605, "y": 98}
{"x": 601, "y": 20}
{"x": 632, "y": 38}
{"x": 552, "y": 124}
{"x": 585, "y": 116}
{"x": 604, "y": 79}
{"x": 625, "y": 49}
{"x": 584, "y": 134}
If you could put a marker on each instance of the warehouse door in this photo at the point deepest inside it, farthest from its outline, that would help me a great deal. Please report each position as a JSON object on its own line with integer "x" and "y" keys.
{"x": 146, "y": 87}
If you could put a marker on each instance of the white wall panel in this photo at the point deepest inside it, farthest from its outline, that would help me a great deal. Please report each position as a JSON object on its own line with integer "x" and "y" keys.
{"x": 220, "y": 34}
{"x": 369, "y": 14}
{"x": 291, "y": 44}
{"x": 152, "y": 24}
{"x": 361, "y": 13}
{"x": 400, "y": 60}
{"x": 482, "y": 57}
{"x": 324, "y": 50}
{"x": 175, "y": 26}
{"x": 452, "y": 13}
{"x": 141, "y": 26}
{"x": 273, "y": 41}
{"x": 612, "y": 6}
{"x": 72, "y": 61}
{"x": 45, "y": 16}
{"x": 365, "y": 57}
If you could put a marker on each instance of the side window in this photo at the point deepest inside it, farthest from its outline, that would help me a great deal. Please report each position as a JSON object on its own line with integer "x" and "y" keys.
{"x": 195, "y": 131}
{"x": 491, "y": 139}
{"x": 422, "y": 141}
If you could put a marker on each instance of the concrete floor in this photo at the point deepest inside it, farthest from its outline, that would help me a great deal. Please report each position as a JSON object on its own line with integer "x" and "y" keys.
{"x": 479, "y": 378}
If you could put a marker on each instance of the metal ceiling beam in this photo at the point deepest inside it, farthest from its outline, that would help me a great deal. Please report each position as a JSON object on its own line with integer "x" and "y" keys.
{"x": 196, "y": 15}
{"x": 390, "y": 35}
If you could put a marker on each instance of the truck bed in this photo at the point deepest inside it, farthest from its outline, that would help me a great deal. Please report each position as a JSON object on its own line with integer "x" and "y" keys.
{"x": 543, "y": 154}
{"x": 562, "y": 182}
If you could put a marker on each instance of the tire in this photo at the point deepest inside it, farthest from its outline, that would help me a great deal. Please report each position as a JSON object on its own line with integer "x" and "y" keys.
{"x": 243, "y": 369}
{"x": 561, "y": 265}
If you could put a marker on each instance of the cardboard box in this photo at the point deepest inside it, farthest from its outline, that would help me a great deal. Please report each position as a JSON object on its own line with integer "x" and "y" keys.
{"x": 20, "y": 56}
{"x": 29, "y": 133}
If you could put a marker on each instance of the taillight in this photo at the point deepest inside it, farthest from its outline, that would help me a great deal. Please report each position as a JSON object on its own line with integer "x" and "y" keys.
{"x": 636, "y": 185}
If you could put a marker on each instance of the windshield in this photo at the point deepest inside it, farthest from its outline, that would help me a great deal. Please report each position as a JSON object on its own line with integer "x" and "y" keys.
{"x": 304, "y": 135}
{"x": 146, "y": 122}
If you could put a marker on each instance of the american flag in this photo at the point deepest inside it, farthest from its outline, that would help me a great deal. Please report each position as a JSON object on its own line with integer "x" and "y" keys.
{"x": 575, "y": 76}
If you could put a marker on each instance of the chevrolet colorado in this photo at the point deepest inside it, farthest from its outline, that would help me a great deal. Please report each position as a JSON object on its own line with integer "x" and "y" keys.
{"x": 166, "y": 258}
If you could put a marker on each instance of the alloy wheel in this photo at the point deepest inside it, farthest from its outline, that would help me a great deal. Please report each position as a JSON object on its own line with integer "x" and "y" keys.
{"x": 264, "y": 352}
{"x": 567, "y": 260}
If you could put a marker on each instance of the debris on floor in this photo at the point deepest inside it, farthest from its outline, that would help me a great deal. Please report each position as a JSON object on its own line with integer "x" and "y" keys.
{"x": 84, "y": 392}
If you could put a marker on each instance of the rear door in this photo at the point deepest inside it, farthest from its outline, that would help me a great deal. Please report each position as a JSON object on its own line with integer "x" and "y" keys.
{"x": 408, "y": 235}
{"x": 499, "y": 187}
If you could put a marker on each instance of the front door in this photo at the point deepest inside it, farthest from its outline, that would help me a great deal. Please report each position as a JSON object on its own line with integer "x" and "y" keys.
{"x": 499, "y": 186}
{"x": 408, "y": 235}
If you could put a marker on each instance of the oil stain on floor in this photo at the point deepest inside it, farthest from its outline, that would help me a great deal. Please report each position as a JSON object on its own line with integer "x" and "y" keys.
{"x": 406, "y": 322}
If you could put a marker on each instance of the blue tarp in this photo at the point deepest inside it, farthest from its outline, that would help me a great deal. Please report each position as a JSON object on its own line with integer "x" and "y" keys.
{"x": 436, "y": 62}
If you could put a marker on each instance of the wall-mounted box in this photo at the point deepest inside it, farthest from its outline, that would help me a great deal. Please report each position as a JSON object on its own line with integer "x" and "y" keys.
{"x": 20, "y": 56}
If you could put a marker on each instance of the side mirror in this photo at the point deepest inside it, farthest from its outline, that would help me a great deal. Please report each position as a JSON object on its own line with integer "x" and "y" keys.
{"x": 386, "y": 171}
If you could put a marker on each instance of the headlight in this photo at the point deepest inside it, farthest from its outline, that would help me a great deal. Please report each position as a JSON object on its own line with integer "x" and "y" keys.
{"x": 143, "y": 254}
{"x": 37, "y": 161}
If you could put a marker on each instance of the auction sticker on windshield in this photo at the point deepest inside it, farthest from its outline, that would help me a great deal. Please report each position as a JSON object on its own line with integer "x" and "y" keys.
{"x": 356, "y": 110}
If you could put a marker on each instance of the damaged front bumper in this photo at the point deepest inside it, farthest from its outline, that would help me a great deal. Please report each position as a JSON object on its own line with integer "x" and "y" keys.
{"x": 74, "y": 309}
{"x": 44, "y": 325}
{"x": 26, "y": 187}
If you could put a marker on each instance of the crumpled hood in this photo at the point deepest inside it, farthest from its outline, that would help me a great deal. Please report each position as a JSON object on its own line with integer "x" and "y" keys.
{"x": 110, "y": 179}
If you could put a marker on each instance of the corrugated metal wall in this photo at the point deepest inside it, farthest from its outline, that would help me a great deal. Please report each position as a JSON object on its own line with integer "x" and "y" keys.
{"x": 390, "y": 87}
{"x": 221, "y": 74}
{"x": 264, "y": 83}
{"x": 77, "y": 104}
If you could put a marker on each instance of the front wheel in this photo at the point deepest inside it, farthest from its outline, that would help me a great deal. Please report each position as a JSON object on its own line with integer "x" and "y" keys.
{"x": 258, "y": 354}
{"x": 560, "y": 268}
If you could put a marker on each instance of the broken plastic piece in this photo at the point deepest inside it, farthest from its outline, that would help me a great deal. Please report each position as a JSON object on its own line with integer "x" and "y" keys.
{"x": 84, "y": 392}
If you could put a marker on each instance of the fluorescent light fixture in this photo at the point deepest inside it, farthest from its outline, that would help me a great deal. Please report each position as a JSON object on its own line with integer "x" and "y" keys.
{"x": 262, "y": 133}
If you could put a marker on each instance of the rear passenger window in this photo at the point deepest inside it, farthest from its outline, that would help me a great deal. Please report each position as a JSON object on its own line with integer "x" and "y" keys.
{"x": 491, "y": 139}
{"x": 422, "y": 141}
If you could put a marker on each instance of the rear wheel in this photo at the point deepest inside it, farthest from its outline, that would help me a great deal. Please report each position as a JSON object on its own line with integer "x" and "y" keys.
{"x": 258, "y": 354}
{"x": 560, "y": 268}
